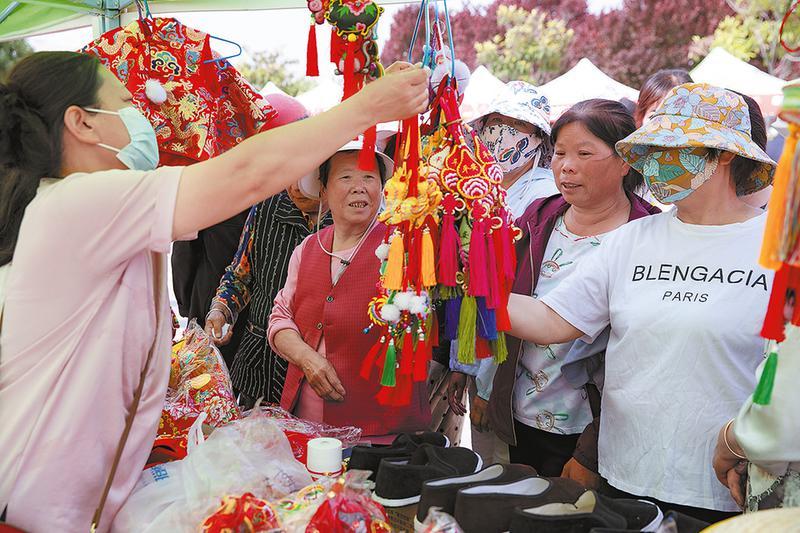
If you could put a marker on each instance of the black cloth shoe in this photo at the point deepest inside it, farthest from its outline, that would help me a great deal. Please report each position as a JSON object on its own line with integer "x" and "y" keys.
{"x": 589, "y": 511}
{"x": 489, "y": 508}
{"x": 441, "y": 493}
{"x": 402, "y": 447}
{"x": 399, "y": 483}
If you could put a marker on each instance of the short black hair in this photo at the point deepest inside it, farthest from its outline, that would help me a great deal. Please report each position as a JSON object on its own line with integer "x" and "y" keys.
{"x": 325, "y": 169}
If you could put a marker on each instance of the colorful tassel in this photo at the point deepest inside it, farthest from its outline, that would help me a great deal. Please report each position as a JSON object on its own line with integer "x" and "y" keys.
{"x": 413, "y": 271}
{"x": 433, "y": 330}
{"x": 776, "y": 213}
{"x": 508, "y": 252}
{"x": 428, "y": 262}
{"x": 393, "y": 279}
{"x": 763, "y": 392}
{"x": 502, "y": 319}
{"x": 366, "y": 158}
{"x": 494, "y": 297}
{"x": 478, "y": 283}
{"x": 398, "y": 395}
{"x": 312, "y": 61}
{"x": 335, "y": 44}
{"x": 486, "y": 324}
{"x": 773, "y": 328}
{"x": 369, "y": 361}
{"x": 452, "y": 311}
{"x": 389, "y": 375}
{"x": 466, "y": 330}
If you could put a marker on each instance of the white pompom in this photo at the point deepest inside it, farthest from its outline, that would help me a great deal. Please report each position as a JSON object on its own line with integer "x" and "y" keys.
{"x": 155, "y": 92}
{"x": 390, "y": 313}
{"x": 419, "y": 305}
{"x": 462, "y": 75}
{"x": 382, "y": 251}
{"x": 403, "y": 300}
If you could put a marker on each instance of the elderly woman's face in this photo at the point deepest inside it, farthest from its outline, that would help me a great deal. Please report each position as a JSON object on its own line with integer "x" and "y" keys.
{"x": 586, "y": 170}
{"x": 353, "y": 195}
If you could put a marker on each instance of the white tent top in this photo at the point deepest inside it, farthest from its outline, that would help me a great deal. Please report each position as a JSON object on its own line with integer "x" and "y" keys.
{"x": 582, "y": 82}
{"x": 722, "y": 69}
{"x": 271, "y": 88}
{"x": 482, "y": 88}
{"x": 324, "y": 96}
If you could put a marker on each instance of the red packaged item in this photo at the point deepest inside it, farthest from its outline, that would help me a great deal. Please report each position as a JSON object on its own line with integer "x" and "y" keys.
{"x": 243, "y": 514}
{"x": 349, "y": 508}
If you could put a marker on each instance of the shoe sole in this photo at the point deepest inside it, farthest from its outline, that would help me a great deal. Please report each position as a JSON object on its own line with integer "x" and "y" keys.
{"x": 396, "y": 502}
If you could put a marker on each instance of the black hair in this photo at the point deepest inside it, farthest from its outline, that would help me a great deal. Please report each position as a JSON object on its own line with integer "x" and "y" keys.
{"x": 610, "y": 122}
{"x": 33, "y": 99}
{"x": 325, "y": 170}
{"x": 656, "y": 87}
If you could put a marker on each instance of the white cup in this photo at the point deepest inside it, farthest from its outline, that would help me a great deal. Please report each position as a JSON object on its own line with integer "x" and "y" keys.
{"x": 324, "y": 457}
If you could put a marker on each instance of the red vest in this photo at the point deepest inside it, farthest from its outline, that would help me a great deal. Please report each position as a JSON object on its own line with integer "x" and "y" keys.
{"x": 340, "y": 313}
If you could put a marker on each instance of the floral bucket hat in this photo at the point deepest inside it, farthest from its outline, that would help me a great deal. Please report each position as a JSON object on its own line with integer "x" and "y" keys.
{"x": 520, "y": 100}
{"x": 698, "y": 115}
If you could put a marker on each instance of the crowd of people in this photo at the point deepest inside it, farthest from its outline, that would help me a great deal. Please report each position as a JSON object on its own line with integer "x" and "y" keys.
{"x": 635, "y": 311}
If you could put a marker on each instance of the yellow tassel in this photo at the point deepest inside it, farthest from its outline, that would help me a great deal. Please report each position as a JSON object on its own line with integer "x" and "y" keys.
{"x": 393, "y": 279}
{"x": 428, "y": 262}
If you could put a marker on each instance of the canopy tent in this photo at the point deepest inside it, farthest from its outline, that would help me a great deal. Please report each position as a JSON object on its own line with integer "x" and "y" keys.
{"x": 722, "y": 69}
{"x": 271, "y": 88}
{"x": 482, "y": 88}
{"x": 27, "y": 18}
{"x": 324, "y": 96}
{"x": 582, "y": 82}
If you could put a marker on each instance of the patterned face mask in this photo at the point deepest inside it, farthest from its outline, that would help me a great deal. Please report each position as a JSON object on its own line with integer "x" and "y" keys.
{"x": 675, "y": 173}
{"x": 511, "y": 148}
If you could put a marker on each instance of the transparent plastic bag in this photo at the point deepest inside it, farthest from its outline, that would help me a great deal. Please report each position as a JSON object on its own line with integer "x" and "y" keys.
{"x": 199, "y": 381}
{"x": 250, "y": 455}
{"x": 300, "y": 431}
{"x": 349, "y": 508}
{"x": 438, "y": 521}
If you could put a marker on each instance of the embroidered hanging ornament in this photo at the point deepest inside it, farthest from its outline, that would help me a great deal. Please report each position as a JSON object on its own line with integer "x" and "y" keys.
{"x": 477, "y": 259}
{"x": 408, "y": 274}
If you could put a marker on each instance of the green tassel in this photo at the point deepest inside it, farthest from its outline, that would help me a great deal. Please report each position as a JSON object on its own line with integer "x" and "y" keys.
{"x": 383, "y": 267}
{"x": 389, "y": 378}
{"x": 466, "y": 330}
{"x": 499, "y": 348}
{"x": 763, "y": 393}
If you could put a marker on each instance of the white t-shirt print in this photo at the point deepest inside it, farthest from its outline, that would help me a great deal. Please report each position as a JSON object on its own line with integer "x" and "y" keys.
{"x": 685, "y": 304}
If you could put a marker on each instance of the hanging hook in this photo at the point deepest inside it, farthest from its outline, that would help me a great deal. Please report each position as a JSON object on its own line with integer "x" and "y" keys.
{"x": 217, "y": 60}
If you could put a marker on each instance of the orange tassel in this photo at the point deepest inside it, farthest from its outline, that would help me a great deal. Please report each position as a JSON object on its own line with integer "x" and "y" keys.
{"x": 393, "y": 278}
{"x": 776, "y": 212}
{"x": 428, "y": 261}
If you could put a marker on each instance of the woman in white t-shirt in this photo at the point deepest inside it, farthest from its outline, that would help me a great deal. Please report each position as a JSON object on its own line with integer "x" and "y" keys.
{"x": 86, "y": 221}
{"x": 684, "y": 296}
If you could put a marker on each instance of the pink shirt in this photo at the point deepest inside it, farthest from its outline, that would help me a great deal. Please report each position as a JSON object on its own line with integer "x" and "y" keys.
{"x": 79, "y": 321}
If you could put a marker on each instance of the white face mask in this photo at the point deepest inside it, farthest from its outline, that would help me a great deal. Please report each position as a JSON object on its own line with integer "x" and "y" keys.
{"x": 142, "y": 152}
{"x": 511, "y": 148}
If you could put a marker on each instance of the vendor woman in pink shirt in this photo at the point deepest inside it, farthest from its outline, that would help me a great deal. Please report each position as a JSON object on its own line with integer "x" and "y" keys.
{"x": 85, "y": 223}
{"x": 318, "y": 320}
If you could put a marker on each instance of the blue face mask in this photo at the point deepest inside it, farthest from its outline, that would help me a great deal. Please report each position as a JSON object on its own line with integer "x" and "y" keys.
{"x": 142, "y": 152}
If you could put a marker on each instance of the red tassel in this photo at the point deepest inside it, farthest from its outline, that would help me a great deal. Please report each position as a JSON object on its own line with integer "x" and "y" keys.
{"x": 407, "y": 354}
{"x": 366, "y": 159}
{"x": 422, "y": 354}
{"x": 412, "y": 126}
{"x": 449, "y": 248}
{"x": 312, "y": 62}
{"x": 493, "y": 300}
{"x": 509, "y": 253}
{"x": 482, "y": 348}
{"x": 773, "y": 328}
{"x": 478, "y": 282}
{"x": 413, "y": 261}
{"x": 433, "y": 331}
{"x": 369, "y": 361}
{"x": 502, "y": 319}
{"x": 397, "y": 396}
{"x": 335, "y": 39}
{"x": 350, "y": 69}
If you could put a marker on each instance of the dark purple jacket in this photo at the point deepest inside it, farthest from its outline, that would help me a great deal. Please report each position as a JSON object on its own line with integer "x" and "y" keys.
{"x": 537, "y": 224}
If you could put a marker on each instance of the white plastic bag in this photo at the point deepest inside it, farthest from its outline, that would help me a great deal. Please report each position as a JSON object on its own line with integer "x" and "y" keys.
{"x": 248, "y": 455}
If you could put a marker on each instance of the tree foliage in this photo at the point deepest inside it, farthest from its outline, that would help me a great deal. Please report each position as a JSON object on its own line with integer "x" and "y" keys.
{"x": 10, "y": 53}
{"x": 752, "y": 33}
{"x": 263, "y": 67}
{"x": 531, "y": 46}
